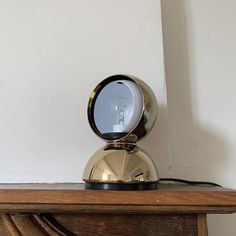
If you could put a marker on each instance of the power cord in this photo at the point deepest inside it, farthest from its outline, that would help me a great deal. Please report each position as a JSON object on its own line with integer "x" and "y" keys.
{"x": 190, "y": 182}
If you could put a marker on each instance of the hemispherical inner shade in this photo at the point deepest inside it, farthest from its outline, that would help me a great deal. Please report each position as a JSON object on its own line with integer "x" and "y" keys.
{"x": 118, "y": 109}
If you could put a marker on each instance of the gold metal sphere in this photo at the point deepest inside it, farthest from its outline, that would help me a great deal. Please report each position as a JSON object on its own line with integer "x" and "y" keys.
{"x": 149, "y": 109}
{"x": 120, "y": 163}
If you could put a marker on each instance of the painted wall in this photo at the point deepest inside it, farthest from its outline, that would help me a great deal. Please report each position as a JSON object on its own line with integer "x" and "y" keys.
{"x": 52, "y": 54}
{"x": 200, "y": 61}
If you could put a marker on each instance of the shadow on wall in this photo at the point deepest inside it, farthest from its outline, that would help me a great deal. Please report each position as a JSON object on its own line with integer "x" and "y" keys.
{"x": 156, "y": 144}
{"x": 198, "y": 152}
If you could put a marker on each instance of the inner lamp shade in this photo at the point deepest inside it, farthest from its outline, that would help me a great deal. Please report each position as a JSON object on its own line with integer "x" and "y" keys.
{"x": 118, "y": 109}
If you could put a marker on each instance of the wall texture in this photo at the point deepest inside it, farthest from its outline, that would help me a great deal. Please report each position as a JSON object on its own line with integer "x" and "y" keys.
{"x": 200, "y": 62}
{"x": 53, "y": 53}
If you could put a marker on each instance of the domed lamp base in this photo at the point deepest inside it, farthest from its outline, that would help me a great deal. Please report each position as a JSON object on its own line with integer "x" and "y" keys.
{"x": 120, "y": 166}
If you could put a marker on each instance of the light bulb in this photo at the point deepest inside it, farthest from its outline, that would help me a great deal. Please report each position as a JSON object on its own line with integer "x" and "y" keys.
{"x": 119, "y": 113}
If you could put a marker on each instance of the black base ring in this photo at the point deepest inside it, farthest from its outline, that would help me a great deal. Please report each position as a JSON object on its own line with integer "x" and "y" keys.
{"x": 122, "y": 186}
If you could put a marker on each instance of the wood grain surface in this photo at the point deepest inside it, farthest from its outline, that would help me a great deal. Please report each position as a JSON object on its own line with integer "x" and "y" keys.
{"x": 68, "y": 198}
{"x": 202, "y": 225}
{"x": 69, "y": 210}
{"x": 104, "y": 225}
{"x": 166, "y": 195}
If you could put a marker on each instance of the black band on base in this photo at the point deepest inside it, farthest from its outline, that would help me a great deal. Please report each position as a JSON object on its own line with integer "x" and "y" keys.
{"x": 122, "y": 186}
{"x": 114, "y": 135}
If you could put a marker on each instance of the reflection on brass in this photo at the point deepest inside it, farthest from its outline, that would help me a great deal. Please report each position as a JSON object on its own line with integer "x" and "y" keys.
{"x": 120, "y": 162}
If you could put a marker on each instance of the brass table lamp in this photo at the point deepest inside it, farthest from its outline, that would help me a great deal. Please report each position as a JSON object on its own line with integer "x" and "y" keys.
{"x": 121, "y": 110}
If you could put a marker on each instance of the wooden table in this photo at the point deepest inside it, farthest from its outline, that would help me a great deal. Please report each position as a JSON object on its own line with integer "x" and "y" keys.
{"x": 69, "y": 209}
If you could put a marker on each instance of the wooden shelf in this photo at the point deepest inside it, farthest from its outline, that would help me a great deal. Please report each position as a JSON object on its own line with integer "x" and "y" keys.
{"x": 168, "y": 197}
{"x": 71, "y": 210}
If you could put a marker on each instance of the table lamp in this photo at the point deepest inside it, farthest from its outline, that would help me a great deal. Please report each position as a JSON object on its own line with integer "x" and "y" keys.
{"x": 122, "y": 109}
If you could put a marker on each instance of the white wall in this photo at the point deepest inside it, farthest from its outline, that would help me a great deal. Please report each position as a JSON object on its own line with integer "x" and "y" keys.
{"x": 200, "y": 61}
{"x": 52, "y": 54}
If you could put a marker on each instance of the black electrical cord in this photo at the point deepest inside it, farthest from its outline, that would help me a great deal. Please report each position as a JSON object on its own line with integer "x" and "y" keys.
{"x": 190, "y": 182}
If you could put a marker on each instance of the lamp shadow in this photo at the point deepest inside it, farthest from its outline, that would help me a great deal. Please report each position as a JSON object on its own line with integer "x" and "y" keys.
{"x": 198, "y": 151}
{"x": 156, "y": 144}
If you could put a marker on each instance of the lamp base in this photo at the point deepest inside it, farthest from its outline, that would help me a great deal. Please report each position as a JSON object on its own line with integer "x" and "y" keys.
{"x": 122, "y": 186}
{"x": 120, "y": 166}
